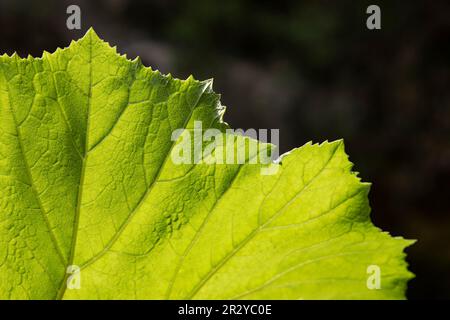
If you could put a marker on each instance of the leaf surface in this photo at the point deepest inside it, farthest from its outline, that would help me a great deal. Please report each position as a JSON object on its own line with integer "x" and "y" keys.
{"x": 87, "y": 178}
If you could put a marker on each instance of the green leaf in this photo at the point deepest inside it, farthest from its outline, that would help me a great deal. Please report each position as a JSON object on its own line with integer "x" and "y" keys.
{"x": 87, "y": 178}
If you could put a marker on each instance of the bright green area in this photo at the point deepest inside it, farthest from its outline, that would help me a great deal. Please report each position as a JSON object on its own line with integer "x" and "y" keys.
{"x": 86, "y": 179}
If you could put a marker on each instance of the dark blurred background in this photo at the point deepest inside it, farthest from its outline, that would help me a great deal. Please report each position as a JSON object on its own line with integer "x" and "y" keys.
{"x": 313, "y": 70}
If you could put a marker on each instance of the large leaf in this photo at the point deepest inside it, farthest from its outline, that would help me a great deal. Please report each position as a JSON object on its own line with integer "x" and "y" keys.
{"x": 87, "y": 179}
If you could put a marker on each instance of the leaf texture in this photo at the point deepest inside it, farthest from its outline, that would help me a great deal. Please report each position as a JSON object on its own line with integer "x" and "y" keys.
{"x": 87, "y": 179}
